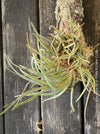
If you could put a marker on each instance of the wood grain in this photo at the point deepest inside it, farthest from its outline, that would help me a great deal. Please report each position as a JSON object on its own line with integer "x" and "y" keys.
{"x": 16, "y": 18}
{"x": 92, "y": 35}
{"x": 57, "y": 115}
{"x": 1, "y": 67}
{"x": 1, "y": 100}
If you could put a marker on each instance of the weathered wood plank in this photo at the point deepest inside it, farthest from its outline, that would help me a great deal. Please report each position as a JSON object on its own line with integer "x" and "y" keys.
{"x": 1, "y": 117}
{"x": 1, "y": 103}
{"x": 16, "y": 18}
{"x": 1, "y": 63}
{"x": 1, "y": 100}
{"x": 92, "y": 35}
{"x": 56, "y": 114}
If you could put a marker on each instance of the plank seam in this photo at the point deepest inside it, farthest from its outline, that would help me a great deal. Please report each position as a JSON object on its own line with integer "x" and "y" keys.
{"x": 2, "y": 66}
{"x": 38, "y": 29}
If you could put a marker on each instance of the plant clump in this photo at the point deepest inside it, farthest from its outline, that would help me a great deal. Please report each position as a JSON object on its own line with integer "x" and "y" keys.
{"x": 59, "y": 62}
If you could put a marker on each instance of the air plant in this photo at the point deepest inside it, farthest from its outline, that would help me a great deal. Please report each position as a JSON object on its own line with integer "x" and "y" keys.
{"x": 59, "y": 62}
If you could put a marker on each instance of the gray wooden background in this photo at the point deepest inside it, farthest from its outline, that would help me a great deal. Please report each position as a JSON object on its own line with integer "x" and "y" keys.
{"x": 15, "y": 18}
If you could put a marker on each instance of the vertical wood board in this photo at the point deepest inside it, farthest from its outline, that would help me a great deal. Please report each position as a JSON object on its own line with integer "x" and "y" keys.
{"x": 1, "y": 100}
{"x": 92, "y": 36}
{"x": 57, "y": 115}
{"x": 1, "y": 88}
{"x": 16, "y": 21}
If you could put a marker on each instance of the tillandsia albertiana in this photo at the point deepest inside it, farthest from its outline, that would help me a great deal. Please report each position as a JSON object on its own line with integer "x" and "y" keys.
{"x": 56, "y": 67}
{"x": 59, "y": 62}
